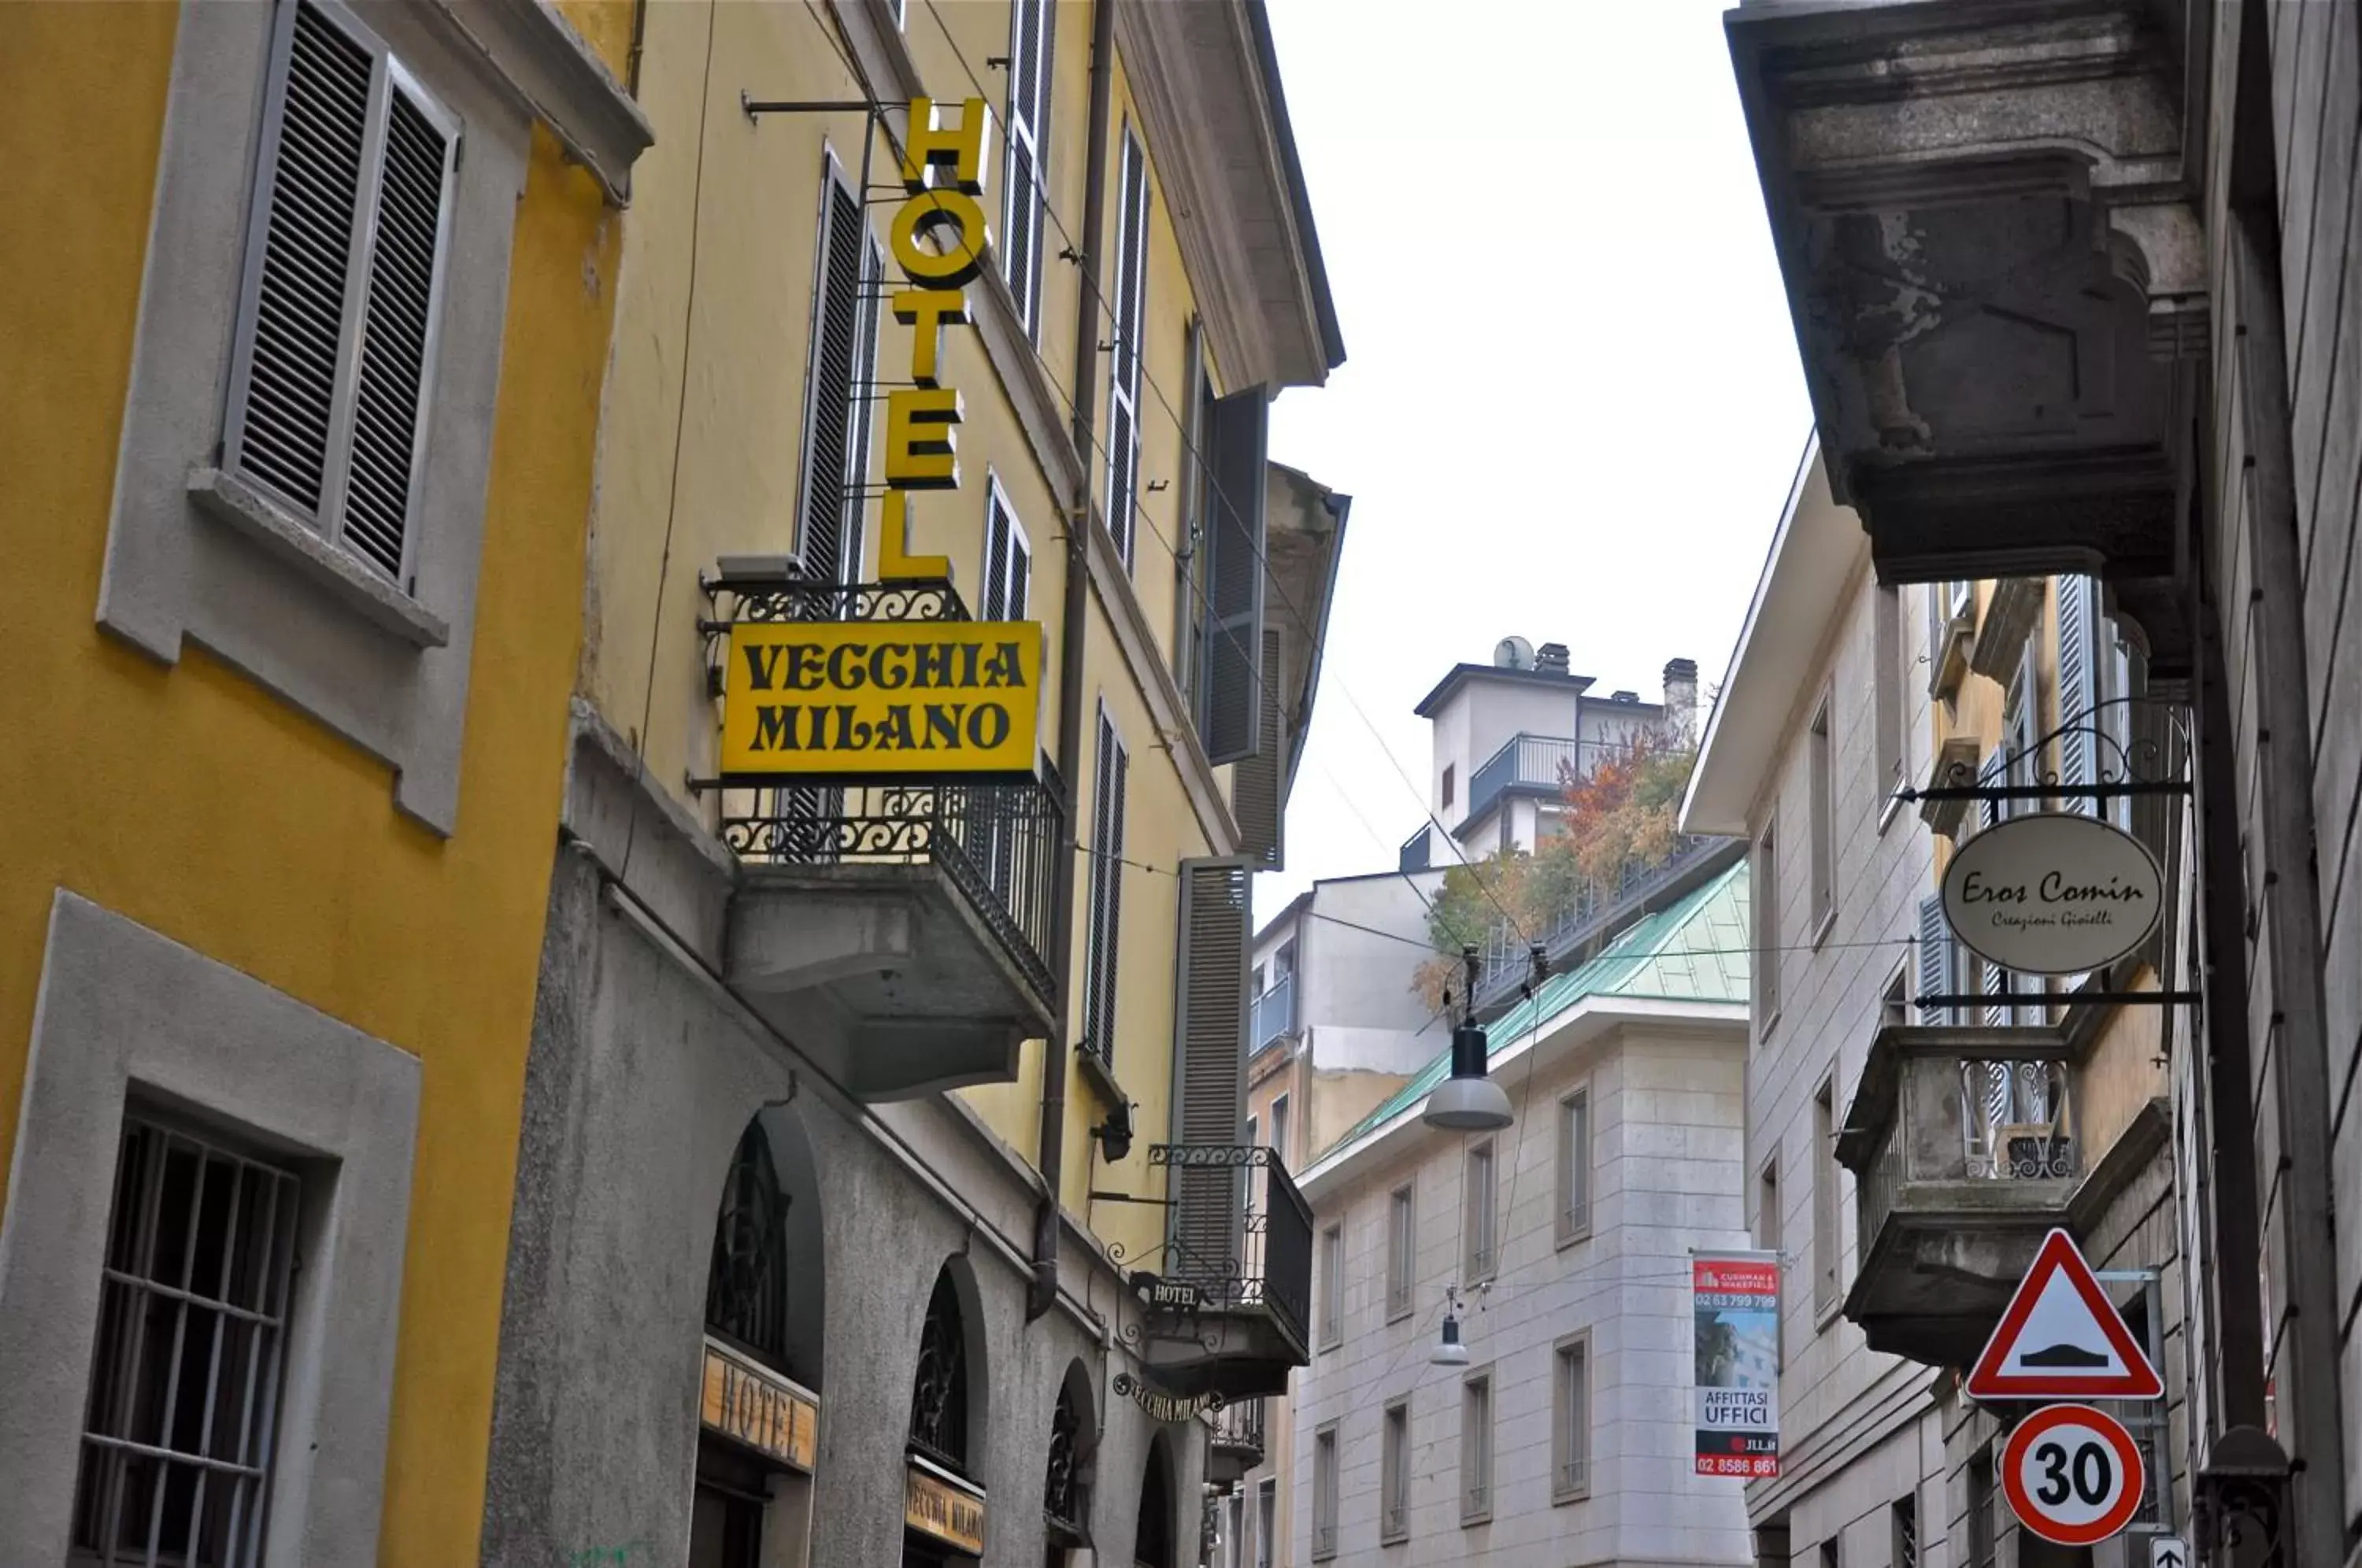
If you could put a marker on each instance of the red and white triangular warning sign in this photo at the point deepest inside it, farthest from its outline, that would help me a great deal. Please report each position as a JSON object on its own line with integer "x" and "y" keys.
{"x": 2061, "y": 1339}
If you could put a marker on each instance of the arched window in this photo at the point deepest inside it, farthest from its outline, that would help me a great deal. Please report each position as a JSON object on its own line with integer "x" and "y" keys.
{"x": 1065, "y": 1501}
{"x": 746, "y": 1286}
{"x": 939, "y": 1392}
{"x": 1153, "y": 1541}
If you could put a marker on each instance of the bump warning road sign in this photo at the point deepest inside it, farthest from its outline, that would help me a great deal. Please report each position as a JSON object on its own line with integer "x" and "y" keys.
{"x": 2061, "y": 1339}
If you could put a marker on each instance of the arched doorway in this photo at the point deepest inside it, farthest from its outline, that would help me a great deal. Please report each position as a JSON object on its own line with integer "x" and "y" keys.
{"x": 758, "y": 1404}
{"x": 1152, "y": 1539}
{"x": 942, "y": 1499}
{"x": 1065, "y": 1487}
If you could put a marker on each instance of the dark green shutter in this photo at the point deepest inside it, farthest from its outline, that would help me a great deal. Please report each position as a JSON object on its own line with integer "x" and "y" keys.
{"x": 1209, "y": 1063}
{"x": 1234, "y": 576}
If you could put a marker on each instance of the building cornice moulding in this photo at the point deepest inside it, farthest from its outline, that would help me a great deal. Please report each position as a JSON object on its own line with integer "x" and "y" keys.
{"x": 1195, "y": 76}
{"x": 541, "y": 63}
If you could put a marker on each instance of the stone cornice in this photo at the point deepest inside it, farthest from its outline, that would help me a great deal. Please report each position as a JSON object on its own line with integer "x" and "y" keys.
{"x": 541, "y": 63}
{"x": 1214, "y": 139}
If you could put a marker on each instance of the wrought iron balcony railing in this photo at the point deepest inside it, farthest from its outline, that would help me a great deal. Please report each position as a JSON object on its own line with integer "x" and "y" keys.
{"x": 998, "y": 843}
{"x": 1242, "y": 1233}
{"x": 1958, "y": 1118}
{"x": 1530, "y": 760}
{"x": 1274, "y": 1014}
{"x": 1238, "y": 1426}
{"x": 1595, "y": 909}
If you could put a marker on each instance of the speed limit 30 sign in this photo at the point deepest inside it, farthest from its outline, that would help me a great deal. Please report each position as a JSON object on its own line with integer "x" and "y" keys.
{"x": 2072, "y": 1475}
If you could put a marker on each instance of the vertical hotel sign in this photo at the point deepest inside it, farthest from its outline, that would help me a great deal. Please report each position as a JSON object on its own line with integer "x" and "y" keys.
{"x": 1735, "y": 1298}
{"x": 852, "y": 699}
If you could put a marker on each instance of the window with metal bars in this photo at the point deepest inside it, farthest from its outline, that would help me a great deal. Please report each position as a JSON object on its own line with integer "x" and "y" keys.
{"x": 1101, "y": 947}
{"x": 1129, "y": 302}
{"x": 1483, "y": 1259}
{"x": 1324, "y": 1493}
{"x": 1570, "y": 1420}
{"x": 1476, "y": 1448}
{"x": 1032, "y": 32}
{"x": 1394, "y": 1473}
{"x": 1906, "y": 1532}
{"x": 1575, "y": 1165}
{"x": 177, "y": 1438}
{"x": 346, "y": 248}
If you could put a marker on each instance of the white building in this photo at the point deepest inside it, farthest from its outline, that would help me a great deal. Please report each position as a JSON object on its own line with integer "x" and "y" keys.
{"x": 1567, "y": 1436}
{"x": 1870, "y": 1141}
{"x": 1501, "y": 736}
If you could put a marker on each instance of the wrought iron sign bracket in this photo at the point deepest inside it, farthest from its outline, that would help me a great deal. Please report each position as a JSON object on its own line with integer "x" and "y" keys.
{"x": 2123, "y": 768}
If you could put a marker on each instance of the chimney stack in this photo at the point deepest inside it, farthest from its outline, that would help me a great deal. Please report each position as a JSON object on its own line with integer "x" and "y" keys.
{"x": 1550, "y": 658}
{"x": 1681, "y": 700}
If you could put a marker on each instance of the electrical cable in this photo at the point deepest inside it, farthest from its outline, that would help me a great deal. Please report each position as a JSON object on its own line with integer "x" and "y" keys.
{"x": 1196, "y": 455}
{"x": 680, "y": 422}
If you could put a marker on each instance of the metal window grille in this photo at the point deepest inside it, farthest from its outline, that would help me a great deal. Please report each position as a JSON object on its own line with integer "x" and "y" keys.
{"x": 1574, "y": 1419}
{"x": 1476, "y": 1448}
{"x": 177, "y": 1439}
{"x": 1399, "y": 1252}
{"x": 1324, "y": 1494}
{"x": 1393, "y": 1503}
{"x": 1574, "y": 1163}
{"x": 1481, "y": 1249}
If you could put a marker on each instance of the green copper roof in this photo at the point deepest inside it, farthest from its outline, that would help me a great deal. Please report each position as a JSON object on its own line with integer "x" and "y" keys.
{"x": 1695, "y": 952}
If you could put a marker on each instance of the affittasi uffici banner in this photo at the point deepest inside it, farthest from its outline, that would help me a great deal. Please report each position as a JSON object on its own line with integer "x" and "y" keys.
{"x": 1735, "y": 1298}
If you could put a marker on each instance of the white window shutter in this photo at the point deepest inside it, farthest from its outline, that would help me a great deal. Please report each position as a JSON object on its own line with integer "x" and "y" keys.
{"x": 2079, "y": 688}
{"x": 1937, "y": 972}
{"x": 335, "y": 344}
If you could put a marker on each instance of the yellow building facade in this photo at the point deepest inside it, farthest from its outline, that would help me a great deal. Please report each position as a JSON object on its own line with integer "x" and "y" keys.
{"x": 886, "y": 1112}
{"x": 305, "y": 361}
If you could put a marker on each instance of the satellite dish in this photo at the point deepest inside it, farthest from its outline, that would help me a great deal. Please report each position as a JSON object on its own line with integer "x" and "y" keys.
{"x": 1512, "y": 653}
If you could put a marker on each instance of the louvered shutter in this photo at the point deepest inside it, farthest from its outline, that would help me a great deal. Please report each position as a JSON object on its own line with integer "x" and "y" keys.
{"x": 335, "y": 351}
{"x": 1102, "y": 944}
{"x": 1938, "y": 956}
{"x": 1123, "y": 363}
{"x": 1240, "y": 430}
{"x": 996, "y": 557}
{"x": 1993, "y": 979}
{"x": 2078, "y": 692}
{"x": 1209, "y": 1062}
{"x": 834, "y": 425}
{"x": 1032, "y": 30}
{"x": 1256, "y": 795}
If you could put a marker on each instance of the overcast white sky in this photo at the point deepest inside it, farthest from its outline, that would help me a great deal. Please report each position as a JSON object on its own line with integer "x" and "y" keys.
{"x": 1571, "y": 407}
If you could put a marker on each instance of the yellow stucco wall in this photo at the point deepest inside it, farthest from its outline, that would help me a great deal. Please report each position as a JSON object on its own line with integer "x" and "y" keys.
{"x": 191, "y": 800}
{"x": 703, "y": 438}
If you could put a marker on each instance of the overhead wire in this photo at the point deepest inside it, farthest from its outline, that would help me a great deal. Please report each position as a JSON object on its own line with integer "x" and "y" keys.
{"x": 1212, "y": 486}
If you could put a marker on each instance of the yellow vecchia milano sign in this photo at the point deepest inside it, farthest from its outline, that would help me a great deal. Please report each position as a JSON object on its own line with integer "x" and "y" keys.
{"x": 853, "y": 699}
{"x": 883, "y": 699}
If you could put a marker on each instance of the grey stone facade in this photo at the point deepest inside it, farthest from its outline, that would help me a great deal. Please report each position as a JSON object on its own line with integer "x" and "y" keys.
{"x": 642, "y": 1077}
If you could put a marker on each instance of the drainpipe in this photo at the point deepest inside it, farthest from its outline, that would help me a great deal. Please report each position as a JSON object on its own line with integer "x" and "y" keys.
{"x": 1071, "y": 632}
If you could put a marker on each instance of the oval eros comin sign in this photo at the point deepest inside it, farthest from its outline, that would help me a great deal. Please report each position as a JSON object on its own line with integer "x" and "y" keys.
{"x": 2053, "y": 894}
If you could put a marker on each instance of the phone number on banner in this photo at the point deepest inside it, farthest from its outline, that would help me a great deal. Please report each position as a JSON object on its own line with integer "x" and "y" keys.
{"x": 1757, "y": 1465}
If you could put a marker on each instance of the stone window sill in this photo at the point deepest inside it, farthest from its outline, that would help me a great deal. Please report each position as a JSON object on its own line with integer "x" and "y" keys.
{"x": 1101, "y": 1077}
{"x": 227, "y": 499}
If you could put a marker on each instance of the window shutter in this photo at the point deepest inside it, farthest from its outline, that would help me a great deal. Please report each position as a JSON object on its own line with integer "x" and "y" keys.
{"x": 996, "y": 558}
{"x": 834, "y": 413}
{"x": 1188, "y": 577}
{"x": 1234, "y": 577}
{"x": 397, "y": 334}
{"x": 2079, "y": 694}
{"x": 1938, "y": 971}
{"x": 1033, "y": 27}
{"x": 1021, "y": 571}
{"x": 1255, "y": 790}
{"x": 335, "y": 351}
{"x": 1123, "y": 363}
{"x": 1993, "y": 980}
{"x": 1209, "y": 1066}
{"x": 1106, "y": 915}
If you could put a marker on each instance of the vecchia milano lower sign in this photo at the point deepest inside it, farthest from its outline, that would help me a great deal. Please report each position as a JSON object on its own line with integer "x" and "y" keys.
{"x": 1735, "y": 1300}
{"x": 858, "y": 700}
